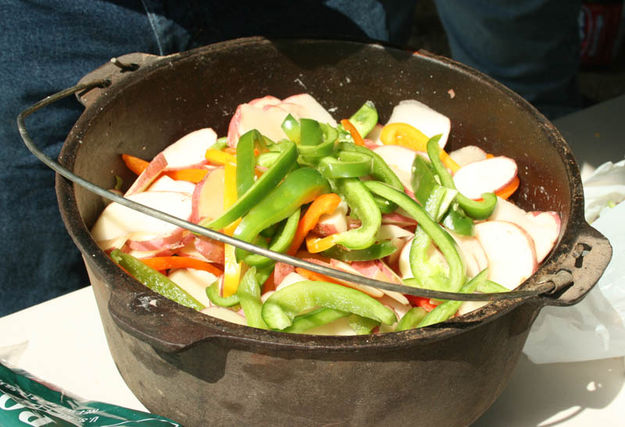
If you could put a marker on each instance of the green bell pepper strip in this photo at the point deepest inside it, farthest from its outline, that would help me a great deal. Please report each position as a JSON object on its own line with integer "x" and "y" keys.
{"x": 380, "y": 170}
{"x": 330, "y": 133}
{"x": 434, "y": 197}
{"x": 348, "y": 165}
{"x": 299, "y": 187}
{"x": 249, "y": 297}
{"x": 212, "y": 292}
{"x": 411, "y": 319}
{"x": 246, "y": 161}
{"x": 154, "y": 280}
{"x": 291, "y": 128}
{"x": 473, "y": 208}
{"x": 422, "y": 179}
{"x": 310, "y": 132}
{"x": 261, "y": 187}
{"x": 270, "y": 231}
{"x": 447, "y": 309}
{"x": 312, "y": 153}
{"x": 280, "y": 243}
{"x": 384, "y": 205}
{"x": 263, "y": 273}
{"x": 267, "y": 159}
{"x": 456, "y": 220}
{"x": 439, "y": 236}
{"x": 220, "y": 143}
{"x": 362, "y": 325}
{"x": 313, "y": 319}
{"x": 428, "y": 274}
{"x": 282, "y": 306}
{"x": 375, "y": 251}
{"x": 365, "y": 119}
{"x": 363, "y": 206}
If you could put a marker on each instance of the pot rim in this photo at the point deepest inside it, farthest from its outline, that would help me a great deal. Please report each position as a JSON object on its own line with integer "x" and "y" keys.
{"x": 214, "y": 327}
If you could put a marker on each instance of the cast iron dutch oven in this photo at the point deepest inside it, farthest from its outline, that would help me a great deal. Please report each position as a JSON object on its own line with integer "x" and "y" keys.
{"x": 199, "y": 370}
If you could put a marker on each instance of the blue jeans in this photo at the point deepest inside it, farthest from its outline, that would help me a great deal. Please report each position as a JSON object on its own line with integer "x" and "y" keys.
{"x": 532, "y": 46}
{"x": 47, "y": 45}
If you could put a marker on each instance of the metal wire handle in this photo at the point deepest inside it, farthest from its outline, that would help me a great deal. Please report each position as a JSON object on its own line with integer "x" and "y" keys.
{"x": 546, "y": 287}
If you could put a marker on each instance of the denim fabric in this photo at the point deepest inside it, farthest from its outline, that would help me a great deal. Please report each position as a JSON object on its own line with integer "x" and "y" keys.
{"x": 48, "y": 45}
{"x": 531, "y": 46}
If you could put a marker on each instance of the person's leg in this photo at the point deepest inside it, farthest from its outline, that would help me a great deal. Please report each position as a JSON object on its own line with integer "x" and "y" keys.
{"x": 48, "y": 46}
{"x": 530, "y": 46}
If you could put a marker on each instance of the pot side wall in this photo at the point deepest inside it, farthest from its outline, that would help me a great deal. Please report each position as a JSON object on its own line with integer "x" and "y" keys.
{"x": 226, "y": 382}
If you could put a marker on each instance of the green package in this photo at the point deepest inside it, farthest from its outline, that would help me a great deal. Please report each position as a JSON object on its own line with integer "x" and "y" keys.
{"x": 25, "y": 401}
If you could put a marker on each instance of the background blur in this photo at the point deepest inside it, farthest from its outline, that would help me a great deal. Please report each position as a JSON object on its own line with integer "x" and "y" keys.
{"x": 602, "y": 30}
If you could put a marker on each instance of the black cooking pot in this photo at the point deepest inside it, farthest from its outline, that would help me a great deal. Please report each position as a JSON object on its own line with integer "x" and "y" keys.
{"x": 200, "y": 370}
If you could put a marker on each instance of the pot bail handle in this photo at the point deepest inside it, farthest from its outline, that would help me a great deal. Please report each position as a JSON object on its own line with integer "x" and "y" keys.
{"x": 580, "y": 268}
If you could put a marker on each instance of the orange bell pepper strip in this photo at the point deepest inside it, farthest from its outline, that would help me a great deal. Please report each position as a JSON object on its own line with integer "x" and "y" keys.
{"x": 315, "y": 277}
{"x": 315, "y": 244}
{"x": 135, "y": 164}
{"x": 353, "y": 132}
{"x": 508, "y": 190}
{"x": 324, "y": 204}
{"x": 191, "y": 175}
{"x": 410, "y": 137}
{"x": 169, "y": 262}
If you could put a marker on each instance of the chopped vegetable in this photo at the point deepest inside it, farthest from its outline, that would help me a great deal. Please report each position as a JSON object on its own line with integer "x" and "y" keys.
{"x": 286, "y": 174}
{"x": 154, "y": 280}
{"x": 191, "y": 175}
{"x": 475, "y": 209}
{"x": 353, "y": 132}
{"x": 135, "y": 164}
{"x": 301, "y": 186}
{"x": 249, "y": 298}
{"x": 259, "y": 189}
{"x": 324, "y": 204}
{"x": 212, "y": 292}
{"x": 407, "y": 136}
{"x": 280, "y": 243}
{"x": 365, "y": 209}
{"x": 411, "y": 319}
{"x": 313, "y": 319}
{"x": 282, "y": 306}
{"x": 363, "y": 121}
{"x": 168, "y": 262}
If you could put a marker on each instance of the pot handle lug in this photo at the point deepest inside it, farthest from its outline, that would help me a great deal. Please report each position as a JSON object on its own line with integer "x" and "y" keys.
{"x": 113, "y": 71}
{"x": 578, "y": 270}
{"x": 158, "y": 321}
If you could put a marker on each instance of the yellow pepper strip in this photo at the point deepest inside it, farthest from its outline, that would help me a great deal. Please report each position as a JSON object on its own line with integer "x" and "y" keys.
{"x": 410, "y": 137}
{"x": 316, "y": 244}
{"x": 232, "y": 268}
{"x": 223, "y": 158}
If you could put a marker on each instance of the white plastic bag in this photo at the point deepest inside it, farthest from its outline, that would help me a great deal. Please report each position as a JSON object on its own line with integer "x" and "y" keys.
{"x": 595, "y": 327}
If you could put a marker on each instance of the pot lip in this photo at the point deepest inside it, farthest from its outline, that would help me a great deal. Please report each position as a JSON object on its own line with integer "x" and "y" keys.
{"x": 218, "y": 328}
